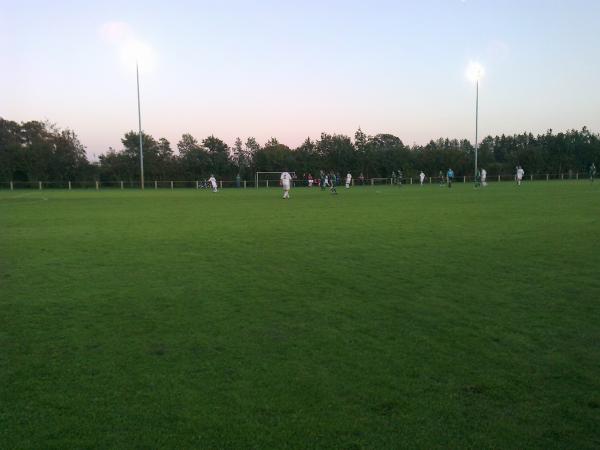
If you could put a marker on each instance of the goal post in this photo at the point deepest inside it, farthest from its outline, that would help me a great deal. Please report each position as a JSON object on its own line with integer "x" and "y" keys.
{"x": 270, "y": 176}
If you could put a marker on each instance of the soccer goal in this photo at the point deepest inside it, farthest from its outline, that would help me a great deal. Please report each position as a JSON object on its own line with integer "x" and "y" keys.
{"x": 270, "y": 179}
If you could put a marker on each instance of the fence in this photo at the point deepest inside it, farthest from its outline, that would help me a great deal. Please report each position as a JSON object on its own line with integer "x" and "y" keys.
{"x": 244, "y": 184}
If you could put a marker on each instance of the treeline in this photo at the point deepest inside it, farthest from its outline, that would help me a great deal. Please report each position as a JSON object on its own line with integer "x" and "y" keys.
{"x": 38, "y": 151}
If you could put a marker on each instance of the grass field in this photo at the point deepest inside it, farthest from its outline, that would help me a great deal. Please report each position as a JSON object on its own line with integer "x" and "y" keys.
{"x": 378, "y": 318}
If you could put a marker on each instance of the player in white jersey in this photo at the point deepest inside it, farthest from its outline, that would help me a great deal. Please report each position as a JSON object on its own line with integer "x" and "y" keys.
{"x": 286, "y": 181}
{"x": 520, "y": 174}
{"x": 348, "y": 180}
{"x": 213, "y": 183}
{"x": 422, "y": 177}
{"x": 483, "y": 177}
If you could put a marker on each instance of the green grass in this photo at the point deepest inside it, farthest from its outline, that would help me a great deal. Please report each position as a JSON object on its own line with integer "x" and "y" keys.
{"x": 378, "y": 318}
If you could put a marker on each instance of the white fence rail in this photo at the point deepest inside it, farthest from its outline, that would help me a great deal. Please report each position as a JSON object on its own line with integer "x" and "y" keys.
{"x": 244, "y": 184}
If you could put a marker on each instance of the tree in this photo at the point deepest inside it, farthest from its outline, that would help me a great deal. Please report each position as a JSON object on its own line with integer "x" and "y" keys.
{"x": 165, "y": 159}
{"x": 274, "y": 157}
{"x": 388, "y": 153}
{"x": 11, "y": 164}
{"x": 307, "y": 158}
{"x": 187, "y": 144}
{"x": 361, "y": 143}
{"x": 116, "y": 166}
{"x": 131, "y": 151}
{"x": 39, "y": 151}
{"x": 69, "y": 159}
{"x": 240, "y": 158}
{"x": 194, "y": 160}
{"x": 336, "y": 151}
{"x": 250, "y": 148}
{"x": 219, "y": 156}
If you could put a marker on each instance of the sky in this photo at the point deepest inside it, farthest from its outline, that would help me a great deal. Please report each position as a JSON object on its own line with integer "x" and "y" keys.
{"x": 292, "y": 70}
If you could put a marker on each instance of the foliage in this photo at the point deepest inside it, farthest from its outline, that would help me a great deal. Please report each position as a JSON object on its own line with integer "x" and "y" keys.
{"x": 39, "y": 151}
{"x": 33, "y": 151}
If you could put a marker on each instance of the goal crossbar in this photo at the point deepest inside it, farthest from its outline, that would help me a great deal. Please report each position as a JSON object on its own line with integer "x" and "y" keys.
{"x": 293, "y": 174}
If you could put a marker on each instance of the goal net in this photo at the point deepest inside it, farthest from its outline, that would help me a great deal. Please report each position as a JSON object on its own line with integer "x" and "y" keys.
{"x": 271, "y": 179}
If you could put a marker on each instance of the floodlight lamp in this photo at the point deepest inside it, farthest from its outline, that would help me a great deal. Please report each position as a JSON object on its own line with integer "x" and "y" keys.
{"x": 475, "y": 72}
{"x": 136, "y": 52}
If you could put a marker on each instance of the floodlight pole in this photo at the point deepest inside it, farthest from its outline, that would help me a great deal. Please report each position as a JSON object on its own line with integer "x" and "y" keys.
{"x": 137, "y": 74}
{"x": 476, "y": 125}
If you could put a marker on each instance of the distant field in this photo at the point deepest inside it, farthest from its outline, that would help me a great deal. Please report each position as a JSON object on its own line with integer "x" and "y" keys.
{"x": 378, "y": 318}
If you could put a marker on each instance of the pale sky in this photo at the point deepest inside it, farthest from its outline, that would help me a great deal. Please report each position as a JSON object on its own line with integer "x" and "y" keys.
{"x": 294, "y": 69}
